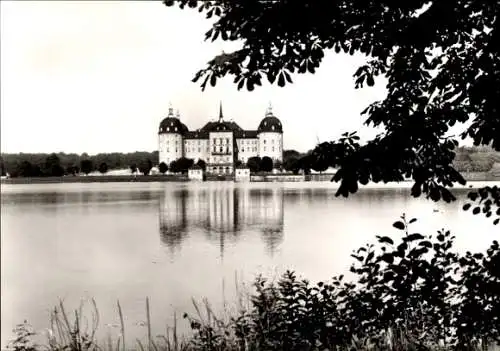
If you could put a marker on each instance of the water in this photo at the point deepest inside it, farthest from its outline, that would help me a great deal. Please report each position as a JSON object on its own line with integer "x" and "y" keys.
{"x": 173, "y": 241}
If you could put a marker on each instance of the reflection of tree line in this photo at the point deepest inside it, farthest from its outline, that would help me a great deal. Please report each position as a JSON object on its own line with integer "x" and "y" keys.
{"x": 64, "y": 197}
{"x": 222, "y": 214}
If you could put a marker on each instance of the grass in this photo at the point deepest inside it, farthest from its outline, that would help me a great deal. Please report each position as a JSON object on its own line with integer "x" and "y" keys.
{"x": 72, "y": 332}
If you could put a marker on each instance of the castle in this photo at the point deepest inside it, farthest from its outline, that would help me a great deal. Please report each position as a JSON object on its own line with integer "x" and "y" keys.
{"x": 220, "y": 143}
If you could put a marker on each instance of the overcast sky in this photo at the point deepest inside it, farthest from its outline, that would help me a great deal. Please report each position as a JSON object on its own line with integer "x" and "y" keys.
{"x": 94, "y": 76}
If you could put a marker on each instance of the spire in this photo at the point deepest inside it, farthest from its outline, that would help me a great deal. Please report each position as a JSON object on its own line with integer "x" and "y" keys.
{"x": 269, "y": 111}
{"x": 170, "y": 110}
{"x": 221, "y": 115}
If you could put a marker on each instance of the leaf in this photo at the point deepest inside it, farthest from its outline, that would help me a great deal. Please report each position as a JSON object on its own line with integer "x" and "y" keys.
{"x": 413, "y": 220}
{"x": 476, "y": 210}
{"x": 398, "y": 225}
{"x": 369, "y": 80}
{"x": 389, "y": 258}
{"x": 386, "y": 239}
{"x": 466, "y": 207}
{"x": 426, "y": 244}
{"x": 414, "y": 236}
{"x": 281, "y": 80}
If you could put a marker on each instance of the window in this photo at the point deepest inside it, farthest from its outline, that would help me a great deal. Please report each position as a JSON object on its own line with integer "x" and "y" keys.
{"x": 242, "y": 149}
{"x": 220, "y": 149}
{"x": 199, "y": 149}
{"x": 227, "y": 140}
{"x": 264, "y": 141}
{"x": 168, "y": 129}
{"x": 175, "y": 149}
{"x": 273, "y": 148}
{"x": 264, "y": 148}
{"x": 167, "y": 149}
{"x": 272, "y": 141}
{"x": 176, "y": 129}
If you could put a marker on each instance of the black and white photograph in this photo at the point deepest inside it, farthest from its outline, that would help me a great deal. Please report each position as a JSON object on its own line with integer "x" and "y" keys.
{"x": 250, "y": 175}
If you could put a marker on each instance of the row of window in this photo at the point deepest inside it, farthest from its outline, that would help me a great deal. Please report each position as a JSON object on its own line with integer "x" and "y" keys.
{"x": 222, "y": 149}
{"x": 192, "y": 142}
{"x": 219, "y": 159}
{"x": 248, "y": 141}
{"x": 249, "y": 149}
{"x": 220, "y": 141}
{"x": 272, "y": 148}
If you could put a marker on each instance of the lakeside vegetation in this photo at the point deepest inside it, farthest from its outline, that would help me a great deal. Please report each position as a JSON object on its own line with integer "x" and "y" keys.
{"x": 408, "y": 292}
{"x": 468, "y": 159}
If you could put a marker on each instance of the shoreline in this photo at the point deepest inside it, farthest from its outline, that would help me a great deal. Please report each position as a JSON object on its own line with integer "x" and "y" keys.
{"x": 282, "y": 177}
{"x": 475, "y": 177}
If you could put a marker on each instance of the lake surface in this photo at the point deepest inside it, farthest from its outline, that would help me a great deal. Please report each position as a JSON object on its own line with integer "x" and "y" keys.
{"x": 175, "y": 241}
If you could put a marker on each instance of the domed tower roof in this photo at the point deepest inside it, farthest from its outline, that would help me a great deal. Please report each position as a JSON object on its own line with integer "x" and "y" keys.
{"x": 172, "y": 124}
{"x": 270, "y": 123}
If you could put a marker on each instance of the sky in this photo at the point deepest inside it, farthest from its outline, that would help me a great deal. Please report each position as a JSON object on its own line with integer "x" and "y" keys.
{"x": 92, "y": 76}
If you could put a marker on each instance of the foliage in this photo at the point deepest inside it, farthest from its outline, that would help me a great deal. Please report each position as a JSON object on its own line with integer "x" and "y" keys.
{"x": 133, "y": 168}
{"x": 145, "y": 167}
{"x": 488, "y": 198}
{"x": 86, "y": 166}
{"x": 72, "y": 170}
{"x": 266, "y": 164}
{"x": 113, "y": 160}
{"x": 412, "y": 293}
{"x": 254, "y": 163}
{"x": 53, "y": 166}
{"x": 103, "y": 168}
{"x": 181, "y": 165}
{"x": 162, "y": 167}
{"x": 24, "y": 338}
{"x": 440, "y": 59}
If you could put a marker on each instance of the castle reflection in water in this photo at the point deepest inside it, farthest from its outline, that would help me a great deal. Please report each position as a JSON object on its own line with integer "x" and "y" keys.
{"x": 222, "y": 214}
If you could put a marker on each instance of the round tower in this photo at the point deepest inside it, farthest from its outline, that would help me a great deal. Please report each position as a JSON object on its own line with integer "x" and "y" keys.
{"x": 170, "y": 138}
{"x": 270, "y": 135}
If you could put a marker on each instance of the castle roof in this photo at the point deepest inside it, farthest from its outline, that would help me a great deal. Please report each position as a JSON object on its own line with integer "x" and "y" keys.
{"x": 196, "y": 134}
{"x": 270, "y": 123}
{"x": 172, "y": 124}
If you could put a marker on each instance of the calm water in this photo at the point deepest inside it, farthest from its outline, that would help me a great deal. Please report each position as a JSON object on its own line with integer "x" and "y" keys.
{"x": 174, "y": 241}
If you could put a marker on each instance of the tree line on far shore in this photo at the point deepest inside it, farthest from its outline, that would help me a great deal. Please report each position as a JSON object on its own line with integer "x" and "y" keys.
{"x": 468, "y": 159}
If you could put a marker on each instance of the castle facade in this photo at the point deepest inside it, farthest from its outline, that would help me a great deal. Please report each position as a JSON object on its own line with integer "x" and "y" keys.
{"x": 220, "y": 143}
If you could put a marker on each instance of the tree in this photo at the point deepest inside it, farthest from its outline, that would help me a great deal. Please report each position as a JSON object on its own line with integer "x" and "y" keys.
{"x": 290, "y": 153}
{"x": 202, "y": 164}
{"x": 441, "y": 60}
{"x": 145, "y": 167}
{"x": 266, "y": 164}
{"x": 183, "y": 164}
{"x": 72, "y": 170}
{"x": 173, "y": 167}
{"x": 103, "y": 168}
{"x": 2, "y": 167}
{"x": 24, "y": 169}
{"x": 53, "y": 166}
{"x": 162, "y": 167}
{"x": 133, "y": 168}
{"x": 86, "y": 166}
{"x": 254, "y": 164}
